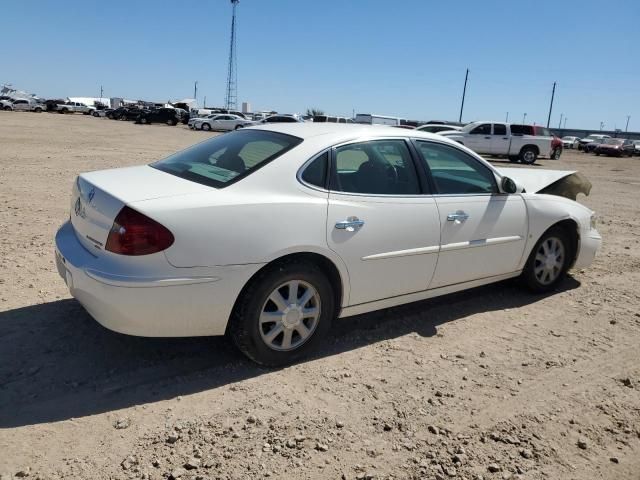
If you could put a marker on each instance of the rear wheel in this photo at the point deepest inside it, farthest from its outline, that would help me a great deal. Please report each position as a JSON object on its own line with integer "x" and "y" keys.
{"x": 514, "y": 158}
{"x": 548, "y": 262}
{"x": 238, "y": 127}
{"x": 38, "y": 110}
{"x": 556, "y": 154}
{"x": 283, "y": 314}
{"x": 528, "y": 155}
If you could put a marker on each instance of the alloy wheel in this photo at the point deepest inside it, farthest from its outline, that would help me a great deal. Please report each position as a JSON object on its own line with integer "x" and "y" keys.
{"x": 549, "y": 260}
{"x": 290, "y": 315}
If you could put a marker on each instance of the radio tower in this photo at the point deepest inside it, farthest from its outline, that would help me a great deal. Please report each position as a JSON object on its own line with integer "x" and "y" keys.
{"x": 231, "y": 98}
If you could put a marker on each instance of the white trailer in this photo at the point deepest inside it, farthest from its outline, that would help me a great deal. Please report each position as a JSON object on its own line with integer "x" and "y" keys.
{"x": 371, "y": 119}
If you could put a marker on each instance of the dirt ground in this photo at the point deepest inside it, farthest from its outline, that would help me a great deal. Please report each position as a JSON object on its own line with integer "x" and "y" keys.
{"x": 493, "y": 383}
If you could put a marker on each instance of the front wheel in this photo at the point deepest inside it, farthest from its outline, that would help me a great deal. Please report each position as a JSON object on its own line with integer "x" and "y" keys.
{"x": 556, "y": 154}
{"x": 528, "y": 155}
{"x": 205, "y": 126}
{"x": 283, "y": 314}
{"x": 548, "y": 262}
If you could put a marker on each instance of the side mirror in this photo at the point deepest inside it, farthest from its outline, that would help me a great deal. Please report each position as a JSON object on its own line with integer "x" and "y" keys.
{"x": 508, "y": 185}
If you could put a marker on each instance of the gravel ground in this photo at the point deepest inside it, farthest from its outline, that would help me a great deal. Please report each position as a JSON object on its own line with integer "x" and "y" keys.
{"x": 493, "y": 383}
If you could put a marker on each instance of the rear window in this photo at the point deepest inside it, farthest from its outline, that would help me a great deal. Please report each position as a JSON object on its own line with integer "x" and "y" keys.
{"x": 227, "y": 158}
{"x": 522, "y": 130}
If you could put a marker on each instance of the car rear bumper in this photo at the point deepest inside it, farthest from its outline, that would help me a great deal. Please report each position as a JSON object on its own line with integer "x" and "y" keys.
{"x": 589, "y": 245}
{"x": 179, "y": 304}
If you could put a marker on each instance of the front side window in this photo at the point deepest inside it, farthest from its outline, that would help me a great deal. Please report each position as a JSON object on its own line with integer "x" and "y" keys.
{"x": 227, "y": 158}
{"x": 380, "y": 167}
{"x": 484, "y": 129}
{"x": 456, "y": 173}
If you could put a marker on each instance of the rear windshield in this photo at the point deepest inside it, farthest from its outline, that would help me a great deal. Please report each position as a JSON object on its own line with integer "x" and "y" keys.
{"x": 227, "y": 158}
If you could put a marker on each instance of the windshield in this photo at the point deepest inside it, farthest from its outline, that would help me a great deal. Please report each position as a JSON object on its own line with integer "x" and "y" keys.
{"x": 614, "y": 141}
{"x": 227, "y": 158}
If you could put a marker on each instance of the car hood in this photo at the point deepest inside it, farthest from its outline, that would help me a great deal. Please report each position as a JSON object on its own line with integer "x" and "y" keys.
{"x": 564, "y": 183}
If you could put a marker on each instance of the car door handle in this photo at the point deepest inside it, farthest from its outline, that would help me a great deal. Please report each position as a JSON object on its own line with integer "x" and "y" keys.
{"x": 487, "y": 138}
{"x": 457, "y": 217}
{"x": 350, "y": 224}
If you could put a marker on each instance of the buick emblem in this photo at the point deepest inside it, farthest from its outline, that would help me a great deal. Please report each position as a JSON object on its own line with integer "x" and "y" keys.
{"x": 79, "y": 209}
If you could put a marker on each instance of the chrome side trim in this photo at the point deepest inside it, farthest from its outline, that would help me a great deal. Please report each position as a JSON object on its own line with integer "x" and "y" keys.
{"x": 480, "y": 243}
{"x": 403, "y": 253}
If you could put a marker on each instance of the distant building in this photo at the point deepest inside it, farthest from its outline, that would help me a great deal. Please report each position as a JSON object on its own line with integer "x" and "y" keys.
{"x": 246, "y": 107}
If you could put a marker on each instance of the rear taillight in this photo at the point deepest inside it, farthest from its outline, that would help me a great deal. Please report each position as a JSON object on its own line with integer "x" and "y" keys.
{"x": 133, "y": 233}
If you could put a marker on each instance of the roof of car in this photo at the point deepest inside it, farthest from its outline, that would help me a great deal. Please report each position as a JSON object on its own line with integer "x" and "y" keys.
{"x": 306, "y": 130}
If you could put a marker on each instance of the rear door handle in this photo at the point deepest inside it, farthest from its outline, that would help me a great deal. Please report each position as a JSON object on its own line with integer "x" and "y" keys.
{"x": 350, "y": 224}
{"x": 457, "y": 217}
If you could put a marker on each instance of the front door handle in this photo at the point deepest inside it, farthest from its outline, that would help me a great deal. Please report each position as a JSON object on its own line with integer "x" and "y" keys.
{"x": 350, "y": 224}
{"x": 457, "y": 217}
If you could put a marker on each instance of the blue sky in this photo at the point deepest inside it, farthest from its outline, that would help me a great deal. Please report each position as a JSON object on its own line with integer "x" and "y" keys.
{"x": 396, "y": 57}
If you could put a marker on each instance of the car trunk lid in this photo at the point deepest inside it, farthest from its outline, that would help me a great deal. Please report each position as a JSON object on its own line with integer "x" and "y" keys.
{"x": 98, "y": 197}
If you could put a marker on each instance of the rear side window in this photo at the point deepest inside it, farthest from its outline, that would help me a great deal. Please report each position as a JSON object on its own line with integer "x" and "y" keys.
{"x": 227, "y": 158}
{"x": 499, "y": 129}
{"x": 381, "y": 167}
{"x": 522, "y": 130}
{"x": 316, "y": 172}
{"x": 456, "y": 173}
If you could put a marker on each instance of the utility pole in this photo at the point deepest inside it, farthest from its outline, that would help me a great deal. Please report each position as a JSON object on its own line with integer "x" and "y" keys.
{"x": 205, "y": 101}
{"x": 601, "y": 125}
{"x": 506, "y": 120}
{"x": 553, "y": 92}
{"x": 565, "y": 123}
{"x": 627, "y": 127}
{"x": 195, "y": 90}
{"x": 464, "y": 92}
{"x": 524, "y": 118}
{"x": 101, "y": 90}
{"x": 231, "y": 95}
{"x": 560, "y": 122}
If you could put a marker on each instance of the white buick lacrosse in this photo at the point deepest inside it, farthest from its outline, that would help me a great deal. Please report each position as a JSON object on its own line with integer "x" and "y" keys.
{"x": 269, "y": 233}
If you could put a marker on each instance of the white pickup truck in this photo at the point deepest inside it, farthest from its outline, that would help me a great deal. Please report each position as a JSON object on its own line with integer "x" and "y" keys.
{"x": 75, "y": 107}
{"x": 503, "y": 139}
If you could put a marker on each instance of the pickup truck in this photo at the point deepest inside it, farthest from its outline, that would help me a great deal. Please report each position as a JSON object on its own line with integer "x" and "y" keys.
{"x": 75, "y": 107}
{"x": 22, "y": 104}
{"x": 517, "y": 142}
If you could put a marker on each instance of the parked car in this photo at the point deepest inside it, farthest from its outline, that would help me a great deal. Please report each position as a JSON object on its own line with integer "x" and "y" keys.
{"x": 102, "y": 113}
{"x": 193, "y": 119}
{"x": 22, "y": 105}
{"x": 280, "y": 119}
{"x": 636, "y": 146}
{"x": 596, "y": 137}
{"x": 570, "y": 142}
{"x": 125, "y": 113}
{"x": 6, "y": 104}
{"x": 183, "y": 115}
{"x": 190, "y": 230}
{"x": 159, "y": 115}
{"x": 224, "y": 122}
{"x": 437, "y": 128}
{"x": 517, "y": 142}
{"x": 591, "y": 146}
{"x": 75, "y": 107}
{"x": 615, "y": 147}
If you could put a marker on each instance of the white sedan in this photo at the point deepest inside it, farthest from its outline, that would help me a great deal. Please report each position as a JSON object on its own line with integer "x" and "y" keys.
{"x": 270, "y": 233}
{"x": 222, "y": 122}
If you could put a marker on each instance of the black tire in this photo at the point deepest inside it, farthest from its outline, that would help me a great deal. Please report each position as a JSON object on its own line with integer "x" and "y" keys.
{"x": 514, "y": 158}
{"x": 528, "y": 155}
{"x": 529, "y": 277}
{"x": 38, "y": 110}
{"x": 238, "y": 127}
{"x": 205, "y": 126}
{"x": 597, "y": 154}
{"x": 64, "y": 111}
{"x": 8, "y": 109}
{"x": 172, "y": 123}
{"x": 244, "y": 326}
{"x": 556, "y": 154}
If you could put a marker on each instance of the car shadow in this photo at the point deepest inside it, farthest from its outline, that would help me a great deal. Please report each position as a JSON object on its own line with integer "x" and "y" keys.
{"x": 57, "y": 363}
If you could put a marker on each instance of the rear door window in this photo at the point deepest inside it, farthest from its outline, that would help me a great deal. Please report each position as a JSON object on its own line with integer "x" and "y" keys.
{"x": 499, "y": 129}
{"x": 379, "y": 167}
